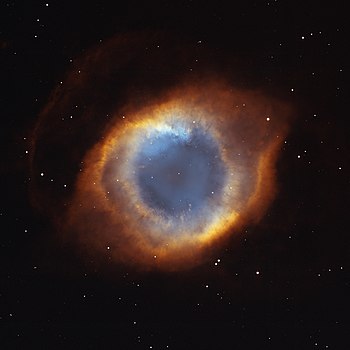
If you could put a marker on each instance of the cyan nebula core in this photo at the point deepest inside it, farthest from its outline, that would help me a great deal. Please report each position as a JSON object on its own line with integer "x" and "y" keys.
{"x": 179, "y": 171}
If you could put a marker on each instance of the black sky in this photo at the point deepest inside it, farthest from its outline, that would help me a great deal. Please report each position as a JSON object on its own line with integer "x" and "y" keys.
{"x": 282, "y": 284}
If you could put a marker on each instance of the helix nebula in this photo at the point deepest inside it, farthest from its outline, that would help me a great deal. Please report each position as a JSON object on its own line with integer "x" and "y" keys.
{"x": 161, "y": 162}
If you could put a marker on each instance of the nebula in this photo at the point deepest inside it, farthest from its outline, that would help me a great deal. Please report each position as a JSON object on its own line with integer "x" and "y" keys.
{"x": 163, "y": 166}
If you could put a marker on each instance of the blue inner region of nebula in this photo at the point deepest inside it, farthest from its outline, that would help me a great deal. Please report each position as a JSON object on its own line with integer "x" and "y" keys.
{"x": 179, "y": 172}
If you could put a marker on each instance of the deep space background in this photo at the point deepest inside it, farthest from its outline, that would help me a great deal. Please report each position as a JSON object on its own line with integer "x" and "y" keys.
{"x": 281, "y": 284}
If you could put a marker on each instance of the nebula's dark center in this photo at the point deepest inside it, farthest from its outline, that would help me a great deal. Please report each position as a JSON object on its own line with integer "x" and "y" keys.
{"x": 179, "y": 171}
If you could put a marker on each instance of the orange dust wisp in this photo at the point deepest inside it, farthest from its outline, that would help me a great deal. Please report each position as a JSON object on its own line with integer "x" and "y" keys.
{"x": 108, "y": 212}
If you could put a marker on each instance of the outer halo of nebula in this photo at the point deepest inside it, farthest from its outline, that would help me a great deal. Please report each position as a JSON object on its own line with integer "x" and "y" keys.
{"x": 102, "y": 210}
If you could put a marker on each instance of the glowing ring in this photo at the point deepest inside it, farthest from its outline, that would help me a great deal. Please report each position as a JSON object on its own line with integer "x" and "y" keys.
{"x": 107, "y": 210}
